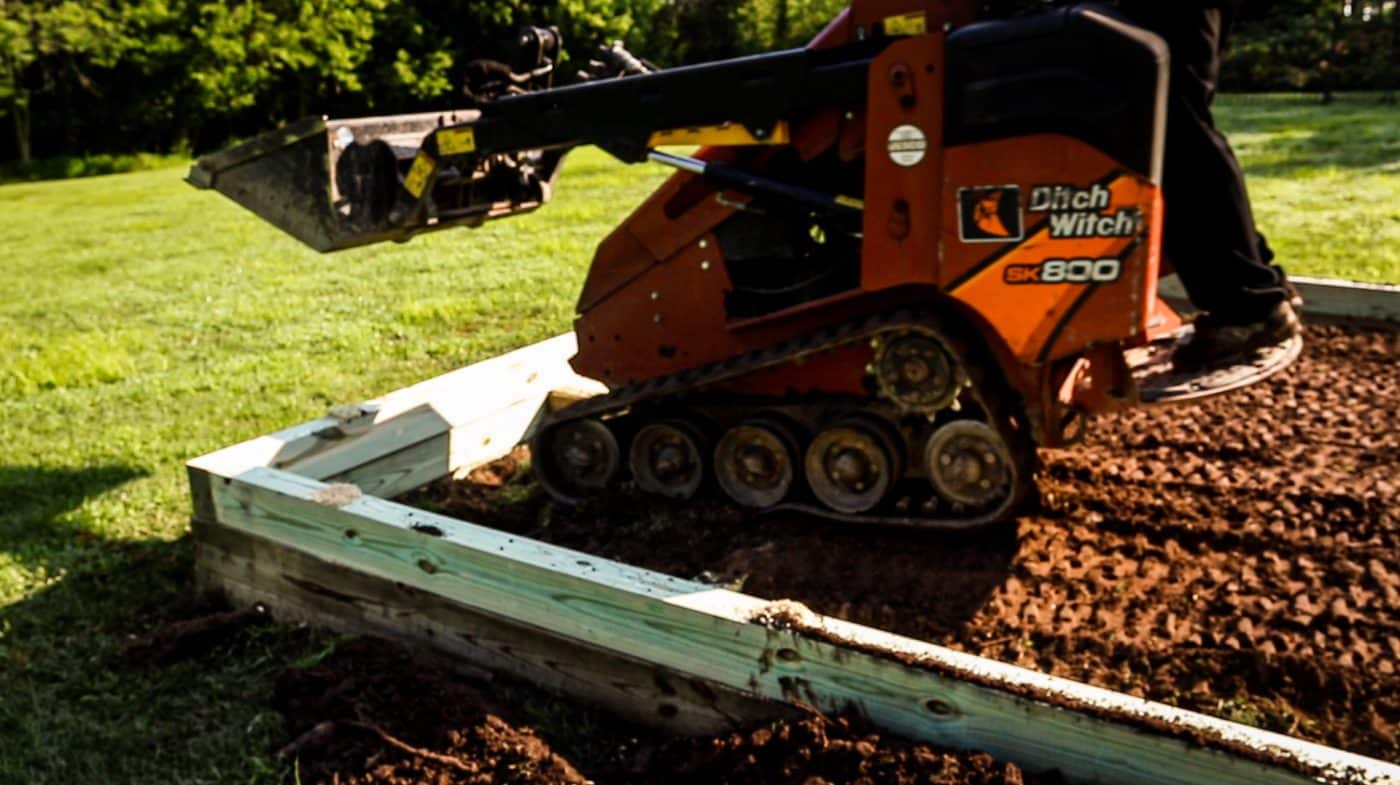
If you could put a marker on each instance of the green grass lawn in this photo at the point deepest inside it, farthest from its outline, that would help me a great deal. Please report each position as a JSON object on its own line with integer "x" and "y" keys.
{"x": 1325, "y": 180}
{"x": 68, "y": 167}
{"x": 145, "y": 323}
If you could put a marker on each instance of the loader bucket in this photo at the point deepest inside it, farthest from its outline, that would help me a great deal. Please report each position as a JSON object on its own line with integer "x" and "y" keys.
{"x": 331, "y": 183}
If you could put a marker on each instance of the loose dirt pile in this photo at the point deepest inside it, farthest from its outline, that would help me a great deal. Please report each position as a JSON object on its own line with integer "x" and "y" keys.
{"x": 1238, "y": 557}
{"x": 374, "y": 713}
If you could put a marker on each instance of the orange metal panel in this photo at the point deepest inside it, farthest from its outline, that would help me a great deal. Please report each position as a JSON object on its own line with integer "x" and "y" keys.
{"x": 903, "y": 164}
{"x": 619, "y": 259}
{"x": 662, "y": 235}
{"x": 667, "y": 319}
{"x": 1068, "y": 205}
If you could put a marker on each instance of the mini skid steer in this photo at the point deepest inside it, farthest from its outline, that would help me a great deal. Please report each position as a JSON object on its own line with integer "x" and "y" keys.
{"x": 903, "y": 256}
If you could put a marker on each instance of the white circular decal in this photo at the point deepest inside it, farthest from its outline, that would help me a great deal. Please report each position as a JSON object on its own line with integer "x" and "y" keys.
{"x": 907, "y": 145}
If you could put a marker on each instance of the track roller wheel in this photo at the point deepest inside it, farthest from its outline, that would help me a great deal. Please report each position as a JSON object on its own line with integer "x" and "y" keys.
{"x": 970, "y": 464}
{"x": 917, "y": 373}
{"x": 667, "y": 460}
{"x": 576, "y": 460}
{"x": 756, "y": 462}
{"x": 852, "y": 465}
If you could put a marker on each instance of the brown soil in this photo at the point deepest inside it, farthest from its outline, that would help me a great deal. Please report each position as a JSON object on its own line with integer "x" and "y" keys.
{"x": 1236, "y": 557}
{"x": 189, "y": 638}
{"x": 375, "y": 713}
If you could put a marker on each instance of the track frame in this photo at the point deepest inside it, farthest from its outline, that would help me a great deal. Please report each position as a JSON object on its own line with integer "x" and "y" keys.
{"x": 299, "y": 523}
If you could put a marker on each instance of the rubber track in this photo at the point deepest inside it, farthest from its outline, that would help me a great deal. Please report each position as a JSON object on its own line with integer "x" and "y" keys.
{"x": 795, "y": 349}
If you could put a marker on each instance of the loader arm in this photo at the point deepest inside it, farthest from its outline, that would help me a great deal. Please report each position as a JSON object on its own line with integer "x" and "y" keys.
{"x": 622, "y": 115}
{"x": 339, "y": 184}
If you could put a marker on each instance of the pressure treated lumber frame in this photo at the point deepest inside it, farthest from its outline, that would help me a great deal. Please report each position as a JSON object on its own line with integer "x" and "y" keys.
{"x": 295, "y": 521}
{"x": 1325, "y": 299}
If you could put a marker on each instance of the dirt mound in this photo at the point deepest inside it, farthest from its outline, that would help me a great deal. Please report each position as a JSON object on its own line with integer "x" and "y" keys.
{"x": 375, "y": 713}
{"x": 817, "y": 751}
{"x": 1239, "y": 557}
{"x": 188, "y": 638}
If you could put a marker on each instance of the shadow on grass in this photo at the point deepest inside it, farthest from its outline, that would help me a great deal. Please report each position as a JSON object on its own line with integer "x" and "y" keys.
{"x": 35, "y": 500}
{"x": 1278, "y": 136}
{"x": 74, "y": 705}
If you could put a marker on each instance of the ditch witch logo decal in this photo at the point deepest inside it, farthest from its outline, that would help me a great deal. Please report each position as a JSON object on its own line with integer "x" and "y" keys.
{"x": 1080, "y": 212}
{"x": 990, "y": 214}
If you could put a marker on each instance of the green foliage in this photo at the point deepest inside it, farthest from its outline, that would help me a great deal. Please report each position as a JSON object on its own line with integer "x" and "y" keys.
{"x": 16, "y": 50}
{"x": 244, "y": 51}
{"x": 79, "y": 77}
{"x": 774, "y": 24}
{"x": 48, "y": 45}
{"x": 67, "y": 167}
{"x": 1322, "y": 46}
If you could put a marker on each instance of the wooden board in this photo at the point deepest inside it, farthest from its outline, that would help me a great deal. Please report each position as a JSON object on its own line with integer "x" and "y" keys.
{"x": 1324, "y": 298}
{"x": 270, "y": 529}
{"x": 295, "y": 586}
{"x": 454, "y": 422}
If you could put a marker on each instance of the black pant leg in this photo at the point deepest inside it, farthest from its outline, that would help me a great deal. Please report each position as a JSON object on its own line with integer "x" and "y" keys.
{"x": 1209, "y": 233}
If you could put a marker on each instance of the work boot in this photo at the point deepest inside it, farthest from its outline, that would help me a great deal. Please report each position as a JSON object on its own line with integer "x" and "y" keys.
{"x": 1295, "y": 298}
{"x": 1217, "y": 345}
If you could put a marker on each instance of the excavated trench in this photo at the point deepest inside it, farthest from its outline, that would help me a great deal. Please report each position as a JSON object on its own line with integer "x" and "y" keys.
{"x": 1236, "y": 557}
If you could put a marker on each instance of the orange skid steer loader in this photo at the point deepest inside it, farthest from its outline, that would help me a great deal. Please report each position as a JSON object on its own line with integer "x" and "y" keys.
{"x": 904, "y": 256}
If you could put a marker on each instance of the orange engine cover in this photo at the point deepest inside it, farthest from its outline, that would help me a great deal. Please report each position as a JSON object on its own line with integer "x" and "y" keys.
{"x": 1060, "y": 255}
{"x": 1046, "y": 245}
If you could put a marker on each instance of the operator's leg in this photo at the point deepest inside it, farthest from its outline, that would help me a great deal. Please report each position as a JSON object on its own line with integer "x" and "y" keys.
{"x": 1209, "y": 233}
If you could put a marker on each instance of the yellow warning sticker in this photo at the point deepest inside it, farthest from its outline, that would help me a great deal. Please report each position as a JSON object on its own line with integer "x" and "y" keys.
{"x": 915, "y": 23}
{"x": 418, "y": 174}
{"x": 456, "y": 141}
{"x": 723, "y": 135}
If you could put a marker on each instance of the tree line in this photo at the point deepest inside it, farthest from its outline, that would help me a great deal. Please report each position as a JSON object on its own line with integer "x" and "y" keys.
{"x": 108, "y": 76}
